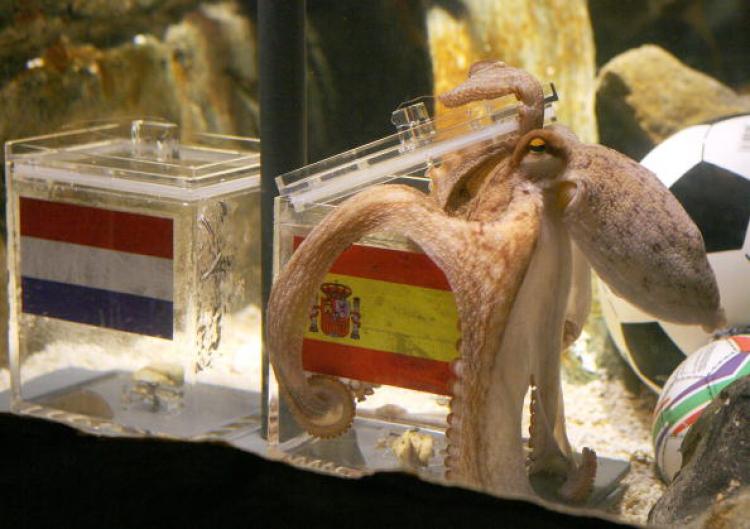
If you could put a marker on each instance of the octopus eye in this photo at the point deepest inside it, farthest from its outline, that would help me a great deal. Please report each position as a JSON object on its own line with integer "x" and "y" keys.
{"x": 537, "y": 145}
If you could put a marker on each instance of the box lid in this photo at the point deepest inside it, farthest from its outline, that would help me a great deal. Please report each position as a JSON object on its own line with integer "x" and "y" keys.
{"x": 420, "y": 142}
{"x": 139, "y": 156}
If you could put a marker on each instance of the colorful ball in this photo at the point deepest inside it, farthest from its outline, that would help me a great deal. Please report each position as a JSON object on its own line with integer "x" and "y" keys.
{"x": 690, "y": 388}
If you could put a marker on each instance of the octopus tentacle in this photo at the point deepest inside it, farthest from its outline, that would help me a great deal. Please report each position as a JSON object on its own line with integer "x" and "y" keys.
{"x": 534, "y": 419}
{"x": 579, "y": 299}
{"x": 487, "y": 80}
{"x": 491, "y": 79}
{"x": 322, "y": 422}
{"x": 474, "y": 458}
{"x": 618, "y": 215}
{"x": 458, "y": 178}
{"x": 580, "y": 483}
{"x": 545, "y": 456}
{"x": 560, "y": 432}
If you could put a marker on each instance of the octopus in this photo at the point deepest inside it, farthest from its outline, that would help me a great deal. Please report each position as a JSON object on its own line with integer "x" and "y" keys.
{"x": 516, "y": 226}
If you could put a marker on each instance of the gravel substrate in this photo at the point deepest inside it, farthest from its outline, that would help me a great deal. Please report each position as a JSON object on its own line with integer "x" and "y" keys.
{"x": 609, "y": 410}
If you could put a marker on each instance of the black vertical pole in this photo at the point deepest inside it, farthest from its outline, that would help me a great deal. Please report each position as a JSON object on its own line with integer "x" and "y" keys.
{"x": 283, "y": 126}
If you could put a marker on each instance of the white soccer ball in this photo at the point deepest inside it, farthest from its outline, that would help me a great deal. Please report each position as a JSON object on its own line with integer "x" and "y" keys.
{"x": 707, "y": 167}
{"x": 691, "y": 387}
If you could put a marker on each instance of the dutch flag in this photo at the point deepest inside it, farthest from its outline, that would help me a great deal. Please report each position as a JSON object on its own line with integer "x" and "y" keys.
{"x": 97, "y": 266}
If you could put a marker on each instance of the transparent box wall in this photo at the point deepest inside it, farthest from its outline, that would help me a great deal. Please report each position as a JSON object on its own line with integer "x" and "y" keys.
{"x": 135, "y": 280}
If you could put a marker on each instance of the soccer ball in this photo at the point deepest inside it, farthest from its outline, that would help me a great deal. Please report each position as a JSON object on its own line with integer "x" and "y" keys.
{"x": 693, "y": 385}
{"x": 707, "y": 167}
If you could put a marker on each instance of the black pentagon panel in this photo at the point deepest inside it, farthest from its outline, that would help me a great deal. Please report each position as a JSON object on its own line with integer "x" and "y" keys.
{"x": 718, "y": 201}
{"x": 653, "y": 352}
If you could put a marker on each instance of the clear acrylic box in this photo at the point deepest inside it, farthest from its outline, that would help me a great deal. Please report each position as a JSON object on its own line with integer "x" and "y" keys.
{"x": 384, "y": 319}
{"x": 134, "y": 269}
{"x": 410, "y": 392}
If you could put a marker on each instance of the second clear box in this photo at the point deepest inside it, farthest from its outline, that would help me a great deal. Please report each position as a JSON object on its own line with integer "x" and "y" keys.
{"x": 134, "y": 272}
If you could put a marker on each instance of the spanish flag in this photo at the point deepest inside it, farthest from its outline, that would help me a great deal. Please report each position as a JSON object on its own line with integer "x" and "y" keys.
{"x": 386, "y": 317}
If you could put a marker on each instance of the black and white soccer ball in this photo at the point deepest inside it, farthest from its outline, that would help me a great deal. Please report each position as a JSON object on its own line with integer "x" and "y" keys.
{"x": 707, "y": 167}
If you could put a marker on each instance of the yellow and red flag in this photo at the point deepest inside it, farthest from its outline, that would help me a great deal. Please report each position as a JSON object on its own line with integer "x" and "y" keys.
{"x": 384, "y": 316}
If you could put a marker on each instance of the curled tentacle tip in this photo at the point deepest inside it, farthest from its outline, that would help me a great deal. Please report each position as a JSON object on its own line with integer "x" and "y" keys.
{"x": 337, "y": 404}
{"x": 580, "y": 483}
{"x": 492, "y": 79}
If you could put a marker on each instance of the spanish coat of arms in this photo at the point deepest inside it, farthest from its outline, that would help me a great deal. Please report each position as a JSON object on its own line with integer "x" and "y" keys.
{"x": 338, "y": 317}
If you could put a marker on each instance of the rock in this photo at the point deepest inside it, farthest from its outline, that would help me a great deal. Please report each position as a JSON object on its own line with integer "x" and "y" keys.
{"x": 725, "y": 512}
{"x": 32, "y": 25}
{"x": 413, "y": 449}
{"x": 708, "y": 35}
{"x": 157, "y": 387}
{"x": 527, "y": 35}
{"x": 732, "y": 512}
{"x": 714, "y": 481}
{"x": 202, "y": 76}
{"x": 646, "y": 94}
{"x": 212, "y": 71}
{"x": 75, "y": 83}
{"x": 161, "y": 374}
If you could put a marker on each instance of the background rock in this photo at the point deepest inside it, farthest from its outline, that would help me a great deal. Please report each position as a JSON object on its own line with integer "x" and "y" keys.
{"x": 211, "y": 57}
{"x": 195, "y": 63}
{"x": 728, "y": 513}
{"x": 716, "y": 465}
{"x": 30, "y": 26}
{"x": 708, "y": 35}
{"x": 201, "y": 75}
{"x": 551, "y": 39}
{"x": 645, "y": 95}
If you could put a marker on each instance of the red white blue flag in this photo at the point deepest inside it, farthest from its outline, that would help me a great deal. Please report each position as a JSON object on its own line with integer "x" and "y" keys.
{"x": 97, "y": 266}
